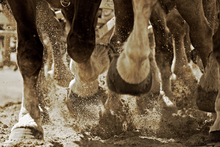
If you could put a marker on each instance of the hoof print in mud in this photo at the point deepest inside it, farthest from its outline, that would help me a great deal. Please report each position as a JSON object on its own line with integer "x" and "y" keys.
{"x": 117, "y": 84}
{"x": 206, "y": 100}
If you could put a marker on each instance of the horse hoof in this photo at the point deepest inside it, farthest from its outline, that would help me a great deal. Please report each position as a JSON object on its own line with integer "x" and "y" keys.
{"x": 19, "y": 134}
{"x": 118, "y": 85}
{"x": 206, "y": 100}
{"x": 85, "y": 107}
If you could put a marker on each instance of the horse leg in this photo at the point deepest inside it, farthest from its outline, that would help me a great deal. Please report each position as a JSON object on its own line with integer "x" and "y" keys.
{"x": 187, "y": 43}
{"x": 177, "y": 27}
{"x": 209, "y": 7}
{"x": 112, "y": 117}
{"x": 215, "y": 129}
{"x": 29, "y": 56}
{"x": 183, "y": 72}
{"x": 201, "y": 38}
{"x": 130, "y": 72}
{"x": 88, "y": 60}
{"x": 201, "y": 33}
{"x": 49, "y": 25}
{"x": 123, "y": 24}
{"x": 210, "y": 12}
{"x": 123, "y": 28}
{"x": 164, "y": 54}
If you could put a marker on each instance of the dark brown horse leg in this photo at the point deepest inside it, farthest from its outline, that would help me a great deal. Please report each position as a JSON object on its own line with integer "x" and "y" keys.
{"x": 201, "y": 38}
{"x": 178, "y": 27}
{"x": 200, "y": 32}
{"x": 209, "y": 7}
{"x": 214, "y": 135}
{"x": 88, "y": 60}
{"x": 81, "y": 38}
{"x": 187, "y": 43}
{"x": 163, "y": 54}
{"x": 29, "y": 56}
{"x": 124, "y": 22}
{"x": 184, "y": 75}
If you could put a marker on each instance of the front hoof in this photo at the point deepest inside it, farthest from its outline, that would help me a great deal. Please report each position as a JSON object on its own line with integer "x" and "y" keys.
{"x": 206, "y": 100}
{"x": 19, "y": 134}
{"x": 118, "y": 85}
{"x": 86, "y": 107}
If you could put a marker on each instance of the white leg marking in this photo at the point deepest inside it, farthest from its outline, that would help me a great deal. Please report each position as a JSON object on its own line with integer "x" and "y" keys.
{"x": 29, "y": 115}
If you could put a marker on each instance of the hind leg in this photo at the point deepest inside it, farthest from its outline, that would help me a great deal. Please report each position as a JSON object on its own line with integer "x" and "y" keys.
{"x": 201, "y": 38}
{"x": 184, "y": 75}
{"x": 164, "y": 55}
{"x": 215, "y": 129}
{"x": 178, "y": 27}
{"x": 29, "y": 56}
{"x": 200, "y": 32}
{"x": 49, "y": 25}
{"x": 124, "y": 23}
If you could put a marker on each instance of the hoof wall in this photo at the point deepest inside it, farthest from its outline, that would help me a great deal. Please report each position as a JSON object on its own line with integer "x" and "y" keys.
{"x": 206, "y": 100}
{"x": 19, "y": 134}
{"x": 118, "y": 85}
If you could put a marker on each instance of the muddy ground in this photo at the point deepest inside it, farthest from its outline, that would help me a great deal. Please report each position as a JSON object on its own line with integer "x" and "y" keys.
{"x": 154, "y": 127}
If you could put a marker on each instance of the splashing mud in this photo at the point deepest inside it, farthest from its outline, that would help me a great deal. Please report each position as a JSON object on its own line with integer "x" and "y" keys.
{"x": 150, "y": 126}
{"x": 140, "y": 121}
